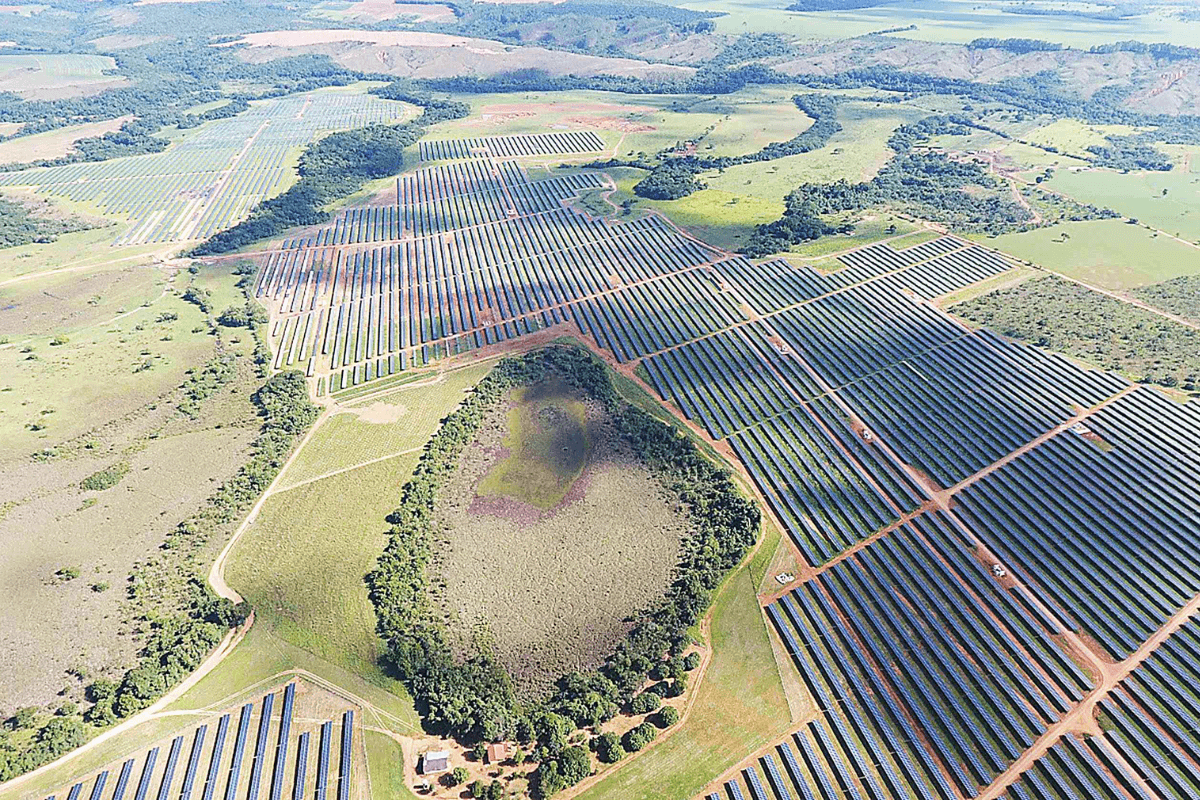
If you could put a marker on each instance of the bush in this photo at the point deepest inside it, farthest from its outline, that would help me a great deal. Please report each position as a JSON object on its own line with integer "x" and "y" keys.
{"x": 667, "y": 717}
{"x": 691, "y": 661}
{"x": 637, "y": 738}
{"x": 105, "y": 478}
{"x": 608, "y": 748}
{"x": 457, "y": 776}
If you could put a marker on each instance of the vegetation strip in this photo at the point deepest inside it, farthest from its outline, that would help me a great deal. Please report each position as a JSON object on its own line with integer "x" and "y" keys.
{"x": 472, "y": 698}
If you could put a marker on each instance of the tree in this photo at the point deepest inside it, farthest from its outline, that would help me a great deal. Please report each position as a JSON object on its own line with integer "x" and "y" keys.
{"x": 692, "y": 660}
{"x": 608, "y": 748}
{"x": 666, "y": 717}
{"x": 575, "y": 765}
{"x": 639, "y": 737}
{"x": 458, "y": 776}
{"x": 644, "y": 703}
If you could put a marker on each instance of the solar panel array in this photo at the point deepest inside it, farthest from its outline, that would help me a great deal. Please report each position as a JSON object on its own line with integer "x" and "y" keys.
{"x": 212, "y": 177}
{"x": 211, "y": 770}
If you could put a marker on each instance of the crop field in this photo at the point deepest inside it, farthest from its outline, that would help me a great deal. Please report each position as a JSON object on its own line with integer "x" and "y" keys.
{"x": 273, "y": 748}
{"x": 211, "y": 178}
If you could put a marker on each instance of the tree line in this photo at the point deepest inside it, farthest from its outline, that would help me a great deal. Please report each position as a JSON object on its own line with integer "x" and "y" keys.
{"x": 471, "y": 697}
{"x": 335, "y": 166}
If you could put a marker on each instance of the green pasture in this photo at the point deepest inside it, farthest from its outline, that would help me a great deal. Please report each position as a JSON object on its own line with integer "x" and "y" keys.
{"x": 949, "y": 21}
{"x": 1108, "y": 253}
{"x": 547, "y": 444}
{"x": 1169, "y": 201}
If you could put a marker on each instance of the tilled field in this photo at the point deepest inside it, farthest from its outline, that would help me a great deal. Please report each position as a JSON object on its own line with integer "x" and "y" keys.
{"x": 552, "y": 588}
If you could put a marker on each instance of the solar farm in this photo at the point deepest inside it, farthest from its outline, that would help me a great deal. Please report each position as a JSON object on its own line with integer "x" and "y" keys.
{"x": 213, "y": 176}
{"x": 252, "y": 751}
{"x": 992, "y": 599}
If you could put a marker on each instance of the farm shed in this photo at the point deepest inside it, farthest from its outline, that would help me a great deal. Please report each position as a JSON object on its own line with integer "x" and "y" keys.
{"x": 435, "y": 761}
{"x": 496, "y": 752}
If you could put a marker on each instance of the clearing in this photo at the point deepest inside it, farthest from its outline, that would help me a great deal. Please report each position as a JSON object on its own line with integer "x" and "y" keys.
{"x": 555, "y": 534}
{"x": 1109, "y": 252}
{"x": 55, "y": 143}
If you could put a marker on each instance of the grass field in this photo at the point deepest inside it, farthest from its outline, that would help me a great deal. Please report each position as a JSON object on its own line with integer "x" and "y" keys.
{"x": 55, "y": 143}
{"x": 120, "y": 352}
{"x": 866, "y": 232}
{"x": 1169, "y": 201}
{"x": 50, "y": 77}
{"x": 740, "y": 706}
{"x": 855, "y": 153}
{"x": 947, "y": 21}
{"x": 338, "y": 522}
{"x": 301, "y": 563}
{"x": 1108, "y": 253}
{"x": 1073, "y": 136}
{"x": 720, "y": 218}
{"x": 578, "y": 536}
{"x": 373, "y": 428}
{"x": 547, "y": 446}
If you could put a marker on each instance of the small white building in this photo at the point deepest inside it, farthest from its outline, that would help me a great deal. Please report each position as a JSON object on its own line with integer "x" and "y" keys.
{"x": 435, "y": 761}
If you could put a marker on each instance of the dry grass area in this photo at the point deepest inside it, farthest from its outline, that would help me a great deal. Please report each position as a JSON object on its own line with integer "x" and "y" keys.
{"x": 419, "y": 54}
{"x": 47, "y": 522}
{"x": 56, "y": 143}
{"x": 381, "y": 10}
{"x": 553, "y": 586}
{"x": 627, "y": 118}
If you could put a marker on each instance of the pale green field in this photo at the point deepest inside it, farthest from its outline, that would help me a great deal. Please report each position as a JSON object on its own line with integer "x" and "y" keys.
{"x": 302, "y": 562}
{"x": 407, "y": 418}
{"x": 1108, "y": 253}
{"x": 51, "y": 76}
{"x": 721, "y": 218}
{"x": 866, "y": 232}
{"x": 1074, "y": 136}
{"x": 740, "y": 707}
{"x": 946, "y": 21}
{"x": 740, "y": 123}
{"x": 98, "y": 373}
{"x": 1140, "y": 195}
{"x": 855, "y": 153}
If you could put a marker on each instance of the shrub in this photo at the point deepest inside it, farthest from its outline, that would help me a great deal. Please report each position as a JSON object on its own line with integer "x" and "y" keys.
{"x": 666, "y": 717}
{"x": 691, "y": 661}
{"x": 608, "y": 748}
{"x": 105, "y": 478}
{"x": 637, "y": 738}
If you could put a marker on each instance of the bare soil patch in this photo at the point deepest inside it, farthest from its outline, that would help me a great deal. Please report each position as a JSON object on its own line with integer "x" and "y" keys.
{"x": 553, "y": 587}
{"x": 381, "y": 413}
